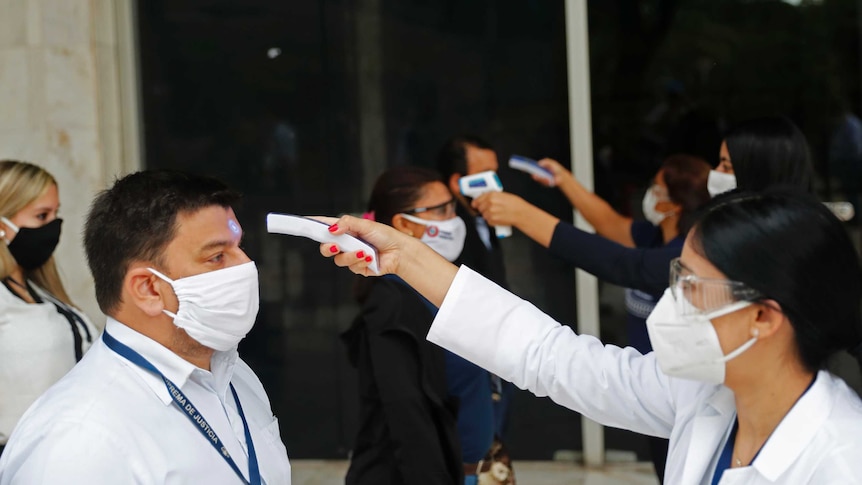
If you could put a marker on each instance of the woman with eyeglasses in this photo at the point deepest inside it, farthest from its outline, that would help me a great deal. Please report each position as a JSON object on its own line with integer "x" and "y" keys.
{"x": 42, "y": 334}
{"x": 420, "y": 406}
{"x": 767, "y": 289}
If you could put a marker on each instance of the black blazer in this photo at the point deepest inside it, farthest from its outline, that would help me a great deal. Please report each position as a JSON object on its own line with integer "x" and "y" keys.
{"x": 408, "y": 432}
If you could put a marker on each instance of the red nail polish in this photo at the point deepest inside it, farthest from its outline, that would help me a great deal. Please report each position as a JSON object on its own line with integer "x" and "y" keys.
{"x": 333, "y": 249}
{"x": 360, "y": 255}
{"x": 333, "y": 228}
{"x": 368, "y": 259}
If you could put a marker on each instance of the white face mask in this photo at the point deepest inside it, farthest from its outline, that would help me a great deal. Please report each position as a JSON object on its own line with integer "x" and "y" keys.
{"x": 217, "y": 308}
{"x": 688, "y": 347}
{"x": 650, "y": 213}
{"x": 720, "y": 182}
{"x": 444, "y": 237}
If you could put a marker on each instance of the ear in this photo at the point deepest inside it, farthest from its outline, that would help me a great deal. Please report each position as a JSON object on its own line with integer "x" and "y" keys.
{"x": 402, "y": 224}
{"x": 145, "y": 290}
{"x": 769, "y": 318}
{"x": 453, "y": 183}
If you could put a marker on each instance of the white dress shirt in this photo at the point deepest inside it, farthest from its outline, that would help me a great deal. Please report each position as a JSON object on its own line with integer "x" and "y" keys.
{"x": 37, "y": 348}
{"x": 112, "y": 422}
{"x": 818, "y": 442}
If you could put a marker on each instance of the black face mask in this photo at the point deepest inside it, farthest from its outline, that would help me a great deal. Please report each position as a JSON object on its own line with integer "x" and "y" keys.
{"x": 32, "y": 247}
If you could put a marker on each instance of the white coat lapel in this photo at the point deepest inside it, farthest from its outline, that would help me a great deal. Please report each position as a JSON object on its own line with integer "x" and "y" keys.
{"x": 709, "y": 428}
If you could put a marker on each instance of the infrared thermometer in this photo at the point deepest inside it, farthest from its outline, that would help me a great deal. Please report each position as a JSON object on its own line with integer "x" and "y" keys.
{"x": 293, "y": 225}
{"x": 480, "y": 183}
{"x": 532, "y": 167}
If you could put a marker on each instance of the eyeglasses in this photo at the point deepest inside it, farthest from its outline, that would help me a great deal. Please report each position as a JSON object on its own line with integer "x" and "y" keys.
{"x": 704, "y": 296}
{"x": 444, "y": 210}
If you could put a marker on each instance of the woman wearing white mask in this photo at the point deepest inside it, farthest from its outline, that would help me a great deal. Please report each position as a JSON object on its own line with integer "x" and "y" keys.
{"x": 741, "y": 339}
{"x": 408, "y": 430}
{"x": 42, "y": 334}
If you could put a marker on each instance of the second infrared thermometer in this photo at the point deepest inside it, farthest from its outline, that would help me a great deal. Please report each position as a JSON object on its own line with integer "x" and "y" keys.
{"x": 532, "y": 167}
{"x": 480, "y": 183}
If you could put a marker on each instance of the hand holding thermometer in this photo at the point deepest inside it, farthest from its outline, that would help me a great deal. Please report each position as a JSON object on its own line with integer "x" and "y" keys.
{"x": 293, "y": 225}
{"x": 532, "y": 167}
{"x": 479, "y": 183}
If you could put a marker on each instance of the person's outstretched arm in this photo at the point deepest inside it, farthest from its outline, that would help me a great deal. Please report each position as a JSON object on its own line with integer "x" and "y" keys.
{"x": 641, "y": 269}
{"x": 617, "y": 387}
{"x": 606, "y": 221}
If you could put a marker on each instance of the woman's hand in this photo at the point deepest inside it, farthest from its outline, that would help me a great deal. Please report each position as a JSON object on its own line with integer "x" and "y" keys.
{"x": 501, "y": 208}
{"x": 422, "y": 268}
{"x": 390, "y": 245}
{"x": 561, "y": 173}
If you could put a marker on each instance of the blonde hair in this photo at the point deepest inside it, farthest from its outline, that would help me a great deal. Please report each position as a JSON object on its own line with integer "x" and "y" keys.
{"x": 21, "y": 183}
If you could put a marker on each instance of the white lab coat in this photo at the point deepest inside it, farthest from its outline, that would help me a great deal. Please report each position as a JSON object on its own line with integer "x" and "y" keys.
{"x": 818, "y": 442}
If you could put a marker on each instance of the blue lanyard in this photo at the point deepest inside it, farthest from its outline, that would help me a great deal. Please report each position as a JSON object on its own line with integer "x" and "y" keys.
{"x": 192, "y": 413}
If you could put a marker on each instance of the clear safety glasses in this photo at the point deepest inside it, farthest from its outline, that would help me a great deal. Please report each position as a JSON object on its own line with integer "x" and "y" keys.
{"x": 705, "y": 296}
{"x": 446, "y": 210}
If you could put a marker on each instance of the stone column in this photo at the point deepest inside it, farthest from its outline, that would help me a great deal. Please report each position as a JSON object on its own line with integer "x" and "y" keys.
{"x": 68, "y": 92}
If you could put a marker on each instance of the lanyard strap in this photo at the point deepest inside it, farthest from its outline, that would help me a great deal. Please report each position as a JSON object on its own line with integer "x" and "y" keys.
{"x": 191, "y": 412}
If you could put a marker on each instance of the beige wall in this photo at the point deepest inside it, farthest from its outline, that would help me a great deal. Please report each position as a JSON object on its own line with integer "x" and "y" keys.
{"x": 68, "y": 99}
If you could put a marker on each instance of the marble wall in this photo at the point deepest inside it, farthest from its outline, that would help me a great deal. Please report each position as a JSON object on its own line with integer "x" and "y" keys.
{"x": 68, "y": 97}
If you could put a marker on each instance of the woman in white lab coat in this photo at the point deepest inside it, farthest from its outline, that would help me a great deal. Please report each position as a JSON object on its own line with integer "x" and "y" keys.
{"x": 768, "y": 288}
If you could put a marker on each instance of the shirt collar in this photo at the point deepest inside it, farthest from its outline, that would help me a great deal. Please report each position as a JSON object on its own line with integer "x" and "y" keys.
{"x": 796, "y": 431}
{"x": 175, "y": 368}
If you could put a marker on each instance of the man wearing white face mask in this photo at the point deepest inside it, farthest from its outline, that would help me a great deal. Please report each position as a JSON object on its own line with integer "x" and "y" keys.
{"x": 162, "y": 397}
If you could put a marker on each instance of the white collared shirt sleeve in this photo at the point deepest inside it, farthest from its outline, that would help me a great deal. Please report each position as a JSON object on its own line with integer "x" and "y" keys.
{"x": 508, "y": 336}
{"x": 74, "y": 453}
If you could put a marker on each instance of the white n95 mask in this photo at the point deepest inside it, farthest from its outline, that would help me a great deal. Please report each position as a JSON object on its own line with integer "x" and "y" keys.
{"x": 688, "y": 347}
{"x": 720, "y": 182}
{"x": 217, "y": 308}
{"x": 444, "y": 237}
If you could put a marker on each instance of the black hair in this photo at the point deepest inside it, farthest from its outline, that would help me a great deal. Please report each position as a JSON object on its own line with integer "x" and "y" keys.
{"x": 770, "y": 151}
{"x": 790, "y": 248}
{"x": 397, "y": 190}
{"x": 685, "y": 177}
{"x": 452, "y": 157}
{"x": 136, "y": 219}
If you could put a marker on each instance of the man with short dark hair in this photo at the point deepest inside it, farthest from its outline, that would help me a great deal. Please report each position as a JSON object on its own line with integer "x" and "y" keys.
{"x": 163, "y": 397}
{"x": 478, "y": 422}
{"x": 467, "y": 155}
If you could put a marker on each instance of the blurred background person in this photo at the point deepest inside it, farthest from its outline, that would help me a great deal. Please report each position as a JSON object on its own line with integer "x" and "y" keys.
{"x": 408, "y": 431}
{"x": 42, "y": 333}
{"x": 462, "y": 155}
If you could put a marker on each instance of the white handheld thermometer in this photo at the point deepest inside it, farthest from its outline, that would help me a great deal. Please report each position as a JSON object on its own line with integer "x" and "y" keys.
{"x": 293, "y": 225}
{"x": 532, "y": 167}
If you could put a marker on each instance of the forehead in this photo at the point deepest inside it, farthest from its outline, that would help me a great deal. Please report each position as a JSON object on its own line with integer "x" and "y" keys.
{"x": 205, "y": 224}
{"x": 50, "y": 198}
{"x": 480, "y": 159}
{"x": 697, "y": 264}
{"x": 434, "y": 193}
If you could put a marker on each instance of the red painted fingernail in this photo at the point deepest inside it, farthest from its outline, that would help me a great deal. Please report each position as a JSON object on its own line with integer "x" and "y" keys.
{"x": 333, "y": 228}
{"x": 333, "y": 249}
{"x": 368, "y": 259}
{"x": 360, "y": 255}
